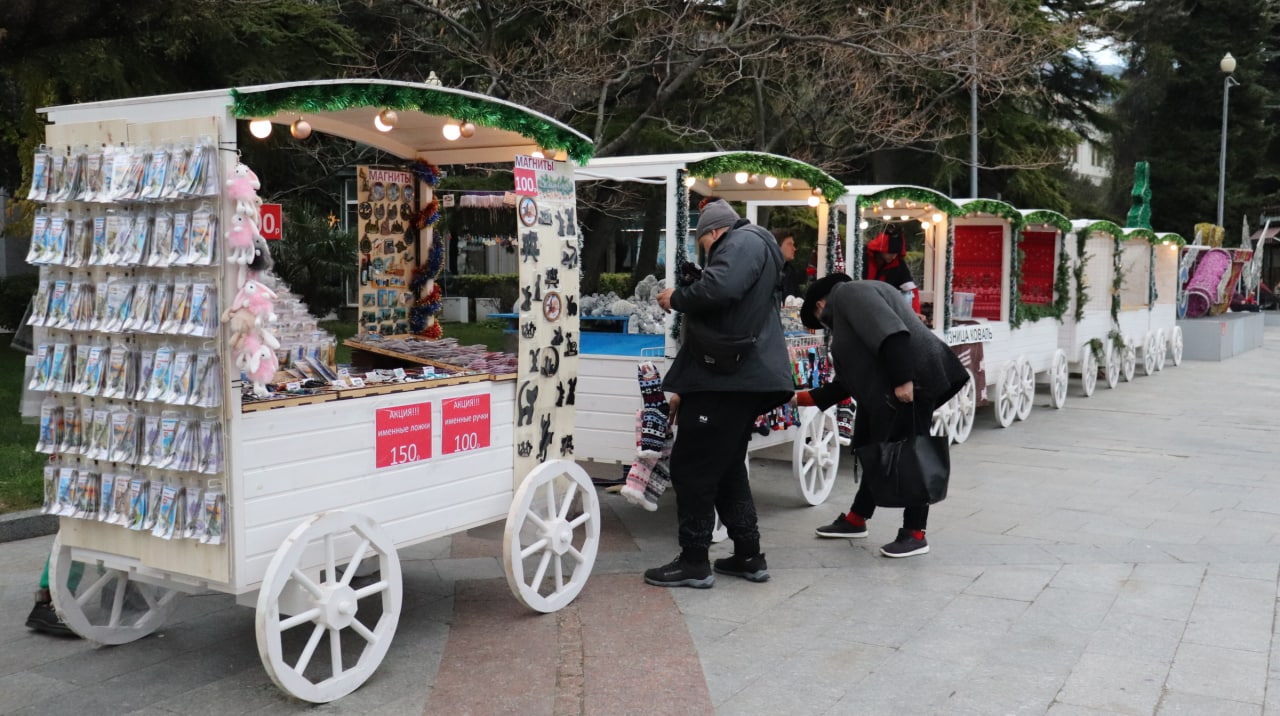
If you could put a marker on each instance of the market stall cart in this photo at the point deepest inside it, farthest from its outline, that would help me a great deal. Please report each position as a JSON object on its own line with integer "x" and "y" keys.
{"x": 181, "y": 462}
{"x": 1086, "y": 333}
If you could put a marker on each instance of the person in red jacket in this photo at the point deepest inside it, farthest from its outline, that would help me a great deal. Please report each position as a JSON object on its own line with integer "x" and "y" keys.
{"x": 887, "y": 261}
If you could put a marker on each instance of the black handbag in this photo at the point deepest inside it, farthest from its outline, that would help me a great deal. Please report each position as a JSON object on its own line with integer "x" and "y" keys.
{"x": 912, "y": 472}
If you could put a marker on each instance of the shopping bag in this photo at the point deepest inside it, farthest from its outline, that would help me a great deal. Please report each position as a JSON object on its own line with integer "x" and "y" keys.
{"x": 907, "y": 473}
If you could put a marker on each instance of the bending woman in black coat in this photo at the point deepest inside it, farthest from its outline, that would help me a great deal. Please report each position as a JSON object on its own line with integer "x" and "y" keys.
{"x": 896, "y": 369}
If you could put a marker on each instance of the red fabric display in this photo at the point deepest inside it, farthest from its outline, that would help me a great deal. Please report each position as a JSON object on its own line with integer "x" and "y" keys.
{"x": 1038, "y": 250}
{"x": 978, "y": 267}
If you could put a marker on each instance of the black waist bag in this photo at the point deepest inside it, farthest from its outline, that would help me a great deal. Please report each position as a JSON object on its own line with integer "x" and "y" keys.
{"x": 719, "y": 353}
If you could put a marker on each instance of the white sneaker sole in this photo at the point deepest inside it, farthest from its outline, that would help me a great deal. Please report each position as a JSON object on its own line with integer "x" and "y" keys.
{"x": 912, "y": 553}
{"x": 839, "y": 535}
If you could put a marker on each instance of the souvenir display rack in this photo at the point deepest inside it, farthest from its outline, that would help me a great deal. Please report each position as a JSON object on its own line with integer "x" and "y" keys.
{"x": 309, "y": 489}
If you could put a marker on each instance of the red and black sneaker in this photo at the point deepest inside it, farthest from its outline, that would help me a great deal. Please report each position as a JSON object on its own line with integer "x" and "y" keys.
{"x": 848, "y": 526}
{"x": 909, "y": 544}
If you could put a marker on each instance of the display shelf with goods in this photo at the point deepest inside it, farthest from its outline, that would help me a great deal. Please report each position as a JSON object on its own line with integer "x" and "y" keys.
{"x": 608, "y": 396}
{"x": 275, "y": 475}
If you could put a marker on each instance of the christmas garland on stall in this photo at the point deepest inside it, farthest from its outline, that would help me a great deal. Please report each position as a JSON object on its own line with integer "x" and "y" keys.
{"x": 771, "y": 165}
{"x": 950, "y": 268}
{"x": 855, "y": 251}
{"x": 995, "y": 208}
{"x": 422, "y": 315}
{"x": 833, "y": 240}
{"x": 682, "y": 231}
{"x": 1062, "y": 274}
{"x": 924, "y": 196}
{"x": 460, "y": 106}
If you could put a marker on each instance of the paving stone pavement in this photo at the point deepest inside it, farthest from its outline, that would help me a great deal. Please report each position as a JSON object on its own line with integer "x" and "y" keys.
{"x": 1119, "y": 556}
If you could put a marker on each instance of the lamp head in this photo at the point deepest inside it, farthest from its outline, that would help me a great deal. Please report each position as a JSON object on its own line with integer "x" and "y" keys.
{"x": 1227, "y": 64}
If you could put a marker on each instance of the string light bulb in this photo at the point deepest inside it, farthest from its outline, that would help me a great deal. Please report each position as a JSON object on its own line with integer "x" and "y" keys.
{"x": 468, "y": 129}
{"x": 753, "y": 179}
{"x": 771, "y": 182}
{"x": 260, "y": 128}
{"x": 537, "y": 154}
{"x": 904, "y": 217}
{"x": 713, "y": 182}
{"x": 690, "y": 181}
{"x": 937, "y": 218}
{"x": 386, "y": 118}
{"x": 925, "y": 224}
{"x": 741, "y": 177}
{"x": 816, "y": 191}
{"x": 888, "y": 203}
{"x": 864, "y": 225}
{"x": 787, "y": 184}
{"x": 814, "y": 200}
{"x": 451, "y": 131}
{"x": 300, "y": 129}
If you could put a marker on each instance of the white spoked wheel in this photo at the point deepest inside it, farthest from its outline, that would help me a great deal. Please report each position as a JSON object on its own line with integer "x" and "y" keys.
{"x": 942, "y": 419}
{"x": 547, "y": 550}
{"x": 1149, "y": 349}
{"x": 1112, "y": 371}
{"x": 1162, "y": 349}
{"x": 815, "y": 454}
{"x": 292, "y": 599}
{"x": 1008, "y": 393}
{"x": 1088, "y": 370}
{"x": 966, "y": 407}
{"x": 1175, "y": 346}
{"x": 104, "y": 605}
{"x": 1027, "y": 385}
{"x": 1059, "y": 378}
{"x": 1128, "y": 362}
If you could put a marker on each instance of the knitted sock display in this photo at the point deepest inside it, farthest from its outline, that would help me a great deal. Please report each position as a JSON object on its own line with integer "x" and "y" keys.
{"x": 655, "y": 422}
{"x": 660, "y": 479}
{"x": 844, "y": 420}
{"x": 648, "y": 477}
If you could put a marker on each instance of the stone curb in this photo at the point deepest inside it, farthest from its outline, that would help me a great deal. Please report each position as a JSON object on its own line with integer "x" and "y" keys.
{"x": 26, "y": 524}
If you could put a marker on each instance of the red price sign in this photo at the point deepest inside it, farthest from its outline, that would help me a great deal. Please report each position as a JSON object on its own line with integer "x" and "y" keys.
{"x": 403, "y": 434}
{"x": 526, "y": 172}
{"x": 466, "y": 424}
{"x": 270, "y": 222}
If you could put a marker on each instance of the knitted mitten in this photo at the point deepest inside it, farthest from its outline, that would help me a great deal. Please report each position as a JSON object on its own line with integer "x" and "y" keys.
{"x": 654, "y": 420}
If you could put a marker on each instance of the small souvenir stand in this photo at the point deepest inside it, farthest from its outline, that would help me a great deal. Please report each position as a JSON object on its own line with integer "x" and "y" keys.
{"x": 608, "y": 397}
{"x": 1043, "y": 288}
{"x": 1145, "y": 318}
{"x": 307, "y": 503}
{"x": 1087, "y": 333}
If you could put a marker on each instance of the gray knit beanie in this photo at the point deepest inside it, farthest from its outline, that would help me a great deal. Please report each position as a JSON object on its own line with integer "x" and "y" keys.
{"x": 716, "y": 214}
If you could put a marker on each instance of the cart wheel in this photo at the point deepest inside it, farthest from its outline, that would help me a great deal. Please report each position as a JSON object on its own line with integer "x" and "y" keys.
{"x": 103, "y": 605}
{"x": 1059, "y": 377}
{"x": 1175, "y": 346}
{"x": 540, "y": 531}
{"x": 965, "y": 410}
{"x": 1112, "y": 371}
{"x": 330, "y": 605}
{"x": 943, "y": 417}
{"x": 1128, "y": 362}
{"x": 1008, "y": 393}
{"x": 1027, "y": 381}
{"x": 1162, "y": 349}
{"x": 815, "y": 454}
{"x": 1149, "y": 349}
{"x": 1088, "y": 370}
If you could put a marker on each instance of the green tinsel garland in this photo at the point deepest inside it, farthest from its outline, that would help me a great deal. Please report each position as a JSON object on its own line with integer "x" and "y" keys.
{"x": 1117, "y": 281}
{"x": 682, "y": 231}
{"x": 996, "y": 208}
{"x": 854, "y": 257}
{"x": 1170, "y": 237}
{"x": 833, "y": 237}
{"x": 1082, "y": 293}
{"x": 1104, "y": 226}
{"x": 1033, "y": 312}
{"x": 1141, "y": 233}
{"x": 1048, "y": 218}
{"x": 950, "y": 279}
{"x": 768, "y": 164}
{"x": 1015, "y": 281}
{"x": 924, "y": 196}
{"x": 1151, "y": 279}
{"x": 462, "y": 107}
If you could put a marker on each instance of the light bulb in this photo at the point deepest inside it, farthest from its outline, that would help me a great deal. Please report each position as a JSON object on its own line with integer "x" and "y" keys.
{"x": 1168, "y": 243}
{"x": 888, "y": 203}
{"x": 741, "y": 177}
{"x": 379, "y": 125}
{"x": 713, "y": 182}
{"x": 451, "y": 131}
{"x": 864, "y": 225}
{"x": 690, "y": 181}
{"x": 753, "y": 179}
{"x": 937, "y": 218}
{"x": 814, "y": 200}
{"x": 925, "y": 224}
{"x": 905, "y": 217}
{"x": 537, "y": 154}
{"x": 389, "y": 117}
{"x": 771, "y": 182}
{"x": 786, "y": 185}
{"x": 260, "y": 128}
{"x": 300, "y": 129}
{"x": 468, "y": 129}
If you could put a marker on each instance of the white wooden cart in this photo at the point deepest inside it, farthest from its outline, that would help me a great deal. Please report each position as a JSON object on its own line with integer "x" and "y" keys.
{"x": 313, "y": 528}
{"x": 1147, "y": 316}
{"x": 1086, "y": 332}
{"x": 607, "y": 393}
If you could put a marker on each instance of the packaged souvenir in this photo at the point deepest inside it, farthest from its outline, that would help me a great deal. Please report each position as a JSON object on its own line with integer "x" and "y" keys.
{"x": 89, "y": 378}
{"x": 79, "y": 235}
{"x": 99, "y": 446}
{"x": 214, "y": 515}
{"x": 119, "y": 514}
{"x": 160, "y": 251}
{"x": 210, "y": 447}
{"x": 65, "y": 305}
{"x": 74, "y": 189}
{"x": 185, "y": 444}
{"x": 192, "y": 497}
{"x": 60, "y": 377}
{"x": 167, "y": 514}
{"x": 156, "y": 175}
{"x": 92, "y": 177}
{"x": 41, "y": 170}
{"x": 179, "y": 243}
{"x": 155, "y": 489}
{"x": 66, "y": 490}
{"x": 119, "y": 303}
{"x": 105, "y": 192}
{"x": 179, "y": 155}
{"x": 140, "y": 304}
{"x": 139, "y": 489}
{"x": 98, "y": 310}
{"x": 73, "y": 428}
{"x": 40, "y": 303}
{"x": 119, "y": 374}
{"x": 39, "y": 227}
{"x": 44, "y": 366}
{"x": 207, "y": 390}
{"x": 179, "y": 307}
{"x": 146, "y": 366}
{"x": 149, "y": 454}
{"x": 118, "y": 227}
{"x": 183, "y": 381}
{"x": 50, "y": 502}
{"x": 158, "y": 311}
{"x": 161, "y": 374}
{"x": 124, "y": 436}
{"x": 86, "y": 495}
{"x": 128, "y": 184}
{"x": 51, "y": 426}
{"x": 98, "y": 248}
{"x": 134, "y": 251}
{"x": 204, "y": 225}
{"x": 107, "y": 493}
{"x": 165, "y": 452}
{"x": 209, "y": 172}
{"x": 203, "y": 318}
{"x": 57, "y": 176}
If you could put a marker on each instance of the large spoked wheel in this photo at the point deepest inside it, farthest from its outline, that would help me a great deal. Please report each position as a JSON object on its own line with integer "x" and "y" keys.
{"x": 1088, "y": 370}
{"x": 1027, "y": 385}
{"x": 1175, "y": 346}
{"x": 1008, "y": 393}
{"x": 1059, "y": 378}
{"x": 1150, "y": 347}
{"x": 815, "y": 454}
{"x": 966, "y": 407}
{"x": 548, "y": 550}
{"x": 1162, "y": 349}
{"x": 942, "y": 419}
{"x": 104, "y": 605}
{"x": 1112, "y": 371}
{"x": 1128, "y": 362}
{"x": 331, "y": 604}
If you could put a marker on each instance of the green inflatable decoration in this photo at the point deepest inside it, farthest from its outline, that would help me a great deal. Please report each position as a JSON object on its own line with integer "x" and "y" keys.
{"x": 1140, "y": 211}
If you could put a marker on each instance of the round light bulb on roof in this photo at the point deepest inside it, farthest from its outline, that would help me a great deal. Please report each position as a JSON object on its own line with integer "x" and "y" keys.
{"x": 300, "y": 129}
{"x": 389, "y": 117}
{"x": 888, "y": 203}
{"x": 864, "y": 225}
{"x": 787, "y": 184}
{"x": 937, "y": 218}
{"x": 260, "y": 128}
{"x": 379, "y": 125}
{"x": 537, "y": 154}
{"x": 451, "y": 131}
{"x": 468, "y": 129}
{"x": 741, "y": 177}
{"x": 713, "y": 182}
{"x": 814, "y": 200}
{"x": 925, "y": 224}
{"x": 905, "y": 217}
{"x": 771, "y": 182}
{"x": 690, "y": 181}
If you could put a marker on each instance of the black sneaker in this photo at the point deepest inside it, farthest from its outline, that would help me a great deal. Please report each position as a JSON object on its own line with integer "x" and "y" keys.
{"x": 908, "y": 544}
{"x": 679, "y": 573}
{"x": 752, "y": 569}
{"x": 44, "y": 619}
{"x": 842, "y": 529}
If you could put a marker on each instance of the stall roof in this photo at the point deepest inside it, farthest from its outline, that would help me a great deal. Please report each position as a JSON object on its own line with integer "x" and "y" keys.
{"x": 1047, "y": 217}
{"x": 876, "y": 195}
{"x": 722, "y": 166}
{"x": 994, "y": 207}
{"x": 347, "y": 108}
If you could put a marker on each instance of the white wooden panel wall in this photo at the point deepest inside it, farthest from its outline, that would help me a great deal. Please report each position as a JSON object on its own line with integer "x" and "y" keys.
{"x": 1134, "y": 324}
{"x": 1167, "y": 274}
{"x": 1164, "y": 316}
{"x": 1072, "y": 335}
{"x": 297, "y": 462}
{"x": 1136, "y": 262}
{"x": 1036, "y": 342}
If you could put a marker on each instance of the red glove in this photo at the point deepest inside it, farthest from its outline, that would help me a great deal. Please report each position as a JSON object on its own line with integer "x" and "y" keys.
{"x": 803, "y": 398}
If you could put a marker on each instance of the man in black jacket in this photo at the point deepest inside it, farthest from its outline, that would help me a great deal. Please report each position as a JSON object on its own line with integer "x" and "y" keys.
{"x": 897, "y": 370}
{"x": 732, "y": 366}
{"x": 793, "y": 277}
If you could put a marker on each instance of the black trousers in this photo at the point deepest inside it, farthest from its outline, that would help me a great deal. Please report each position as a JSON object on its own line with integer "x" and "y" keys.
{"x": 709, "y": 472}
{"x": 893, "y": 421}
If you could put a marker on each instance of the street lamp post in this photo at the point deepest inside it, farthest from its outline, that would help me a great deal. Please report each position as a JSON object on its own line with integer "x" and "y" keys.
{"x": 1227, "y": 65}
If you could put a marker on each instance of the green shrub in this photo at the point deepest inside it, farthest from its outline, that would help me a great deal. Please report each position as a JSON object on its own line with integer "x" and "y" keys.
{"x": 619, "y": 283}
{"x": 15, "y": 294}
{"x": 503, "y": 286}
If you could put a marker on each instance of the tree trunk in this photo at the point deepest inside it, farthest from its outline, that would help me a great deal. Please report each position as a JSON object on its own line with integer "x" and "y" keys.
{"x": 598, "y": 231}
{"x": 654, "y": 221}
